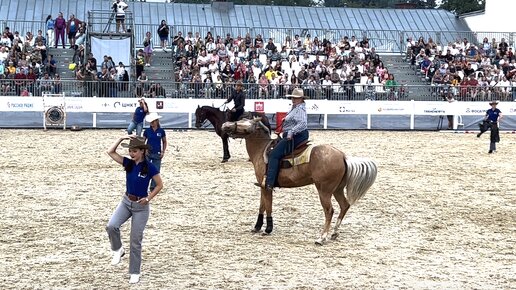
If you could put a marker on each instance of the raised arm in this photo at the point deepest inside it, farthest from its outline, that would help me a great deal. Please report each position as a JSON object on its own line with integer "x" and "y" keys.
{"x": 112, "y": 150}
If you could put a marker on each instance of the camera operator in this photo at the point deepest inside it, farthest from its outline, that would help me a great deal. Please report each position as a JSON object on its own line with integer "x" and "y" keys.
{"x": 119, "y": 7}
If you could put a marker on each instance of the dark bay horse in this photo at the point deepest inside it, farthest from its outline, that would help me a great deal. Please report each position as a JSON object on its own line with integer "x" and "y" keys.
{"x": 329, "y": 169}
{"x": 217, "y": 118}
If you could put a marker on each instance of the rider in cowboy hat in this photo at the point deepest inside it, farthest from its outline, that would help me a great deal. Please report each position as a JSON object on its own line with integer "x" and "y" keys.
{"x": 295, "y": 132}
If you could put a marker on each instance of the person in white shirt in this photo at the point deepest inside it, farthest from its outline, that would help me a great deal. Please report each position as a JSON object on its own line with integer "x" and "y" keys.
{"x": 4, "y": 54}
{"x": 202, "y": 59}
{"x": 119, "y": 8}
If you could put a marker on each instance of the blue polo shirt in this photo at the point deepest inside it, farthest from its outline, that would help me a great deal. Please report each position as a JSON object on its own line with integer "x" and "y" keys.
{"x": 492, "y": 115}
{"x": 137, "y": 183}
{"x": 139, "y": 115}
{"x": 154, "y": 139}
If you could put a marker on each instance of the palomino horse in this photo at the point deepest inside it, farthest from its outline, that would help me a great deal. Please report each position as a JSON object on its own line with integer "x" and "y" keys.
{"x": 328, "y": 168}
{"x": 217, "y": 118}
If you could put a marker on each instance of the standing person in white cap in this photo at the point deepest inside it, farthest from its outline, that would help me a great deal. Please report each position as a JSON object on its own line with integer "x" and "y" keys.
{"x": 492, "y": 118}
{"x": 157, "y": 140}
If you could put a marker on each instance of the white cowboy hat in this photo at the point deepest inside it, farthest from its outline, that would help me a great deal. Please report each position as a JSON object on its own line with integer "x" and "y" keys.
{"x": 493, "y": 103}
{"x": 152, "y": 116}
{"x": 297, "y": 93}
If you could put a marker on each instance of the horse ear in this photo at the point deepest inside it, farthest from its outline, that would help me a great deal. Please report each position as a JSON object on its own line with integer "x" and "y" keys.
{"x": 198, "y": 107}
{"x": 257, "y": 119}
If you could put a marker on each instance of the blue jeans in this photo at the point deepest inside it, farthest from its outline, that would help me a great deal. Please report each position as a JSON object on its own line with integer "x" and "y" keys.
{"x": 140, "y": 216}
{"x": 155, "y": 159}
{"x": 283, "y": 148}
{"x": 133, "y": 125}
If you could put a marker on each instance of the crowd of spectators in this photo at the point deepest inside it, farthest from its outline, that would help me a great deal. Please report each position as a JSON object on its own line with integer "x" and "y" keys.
{"x": 466, "y": 71}
{"x": 208, "y": 66}
{"x": 24, "y": 62}
{"x": 26, "y": 67}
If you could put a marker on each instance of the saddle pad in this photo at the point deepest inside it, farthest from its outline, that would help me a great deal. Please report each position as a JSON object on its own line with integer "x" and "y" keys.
{"x": 302, "y": 158}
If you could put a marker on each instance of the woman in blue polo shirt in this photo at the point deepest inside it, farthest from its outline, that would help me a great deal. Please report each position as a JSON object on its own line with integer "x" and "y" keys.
{"x": 135, "y": 203}
{"x": 493, "y": 116}
{"x": 155, "y": 137}
{"x": 137, "y": 121}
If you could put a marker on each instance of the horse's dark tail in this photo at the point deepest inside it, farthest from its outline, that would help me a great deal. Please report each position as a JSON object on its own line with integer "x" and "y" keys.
{"x": 360, "y": 175}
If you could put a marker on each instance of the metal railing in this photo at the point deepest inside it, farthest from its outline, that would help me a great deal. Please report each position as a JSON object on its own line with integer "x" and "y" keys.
{"x": 339, "y": 91}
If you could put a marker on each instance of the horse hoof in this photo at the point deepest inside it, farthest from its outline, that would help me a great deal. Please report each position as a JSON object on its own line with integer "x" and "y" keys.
{"x": 266, "y": 234}
{"x": 255, "y": 231}
{"x": 224, "y": 161}
{"x": 319, "y": 242}
{"x": 334, "y": 236}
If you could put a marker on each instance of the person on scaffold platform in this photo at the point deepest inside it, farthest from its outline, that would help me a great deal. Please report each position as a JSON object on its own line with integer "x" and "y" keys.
{"x": 119, "y": 7}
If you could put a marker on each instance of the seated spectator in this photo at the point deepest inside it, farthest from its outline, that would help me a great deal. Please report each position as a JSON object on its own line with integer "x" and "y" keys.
{"x": 41, "y": 51}
{"x": 4, "y": 53}
{"x": 263, "y": 86}
{"x": 58, "y": 86}
{"x": 142, "y": 85}
{"x": 46, "y": 84}
{"x": 40, "y": 38}
{"x": 157, "y": 91}
{"x": 50, "y": 65}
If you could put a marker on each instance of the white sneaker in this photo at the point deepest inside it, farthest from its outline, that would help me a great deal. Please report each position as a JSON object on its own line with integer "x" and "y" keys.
{"x": 117, "y": 256}
{"x": 135, "y": 278}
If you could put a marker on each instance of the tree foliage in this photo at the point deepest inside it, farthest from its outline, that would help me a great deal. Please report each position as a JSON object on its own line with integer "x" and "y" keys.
{"x": 463, "y": 6}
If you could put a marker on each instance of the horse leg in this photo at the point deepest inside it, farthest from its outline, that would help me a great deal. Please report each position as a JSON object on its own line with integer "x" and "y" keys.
{"x": 225, "y": 148}
{"x": 325, "y": 198}
{"x": 259, "y": 221}
{"x": 267, "y": 199}
{"x": 344, "y": 206}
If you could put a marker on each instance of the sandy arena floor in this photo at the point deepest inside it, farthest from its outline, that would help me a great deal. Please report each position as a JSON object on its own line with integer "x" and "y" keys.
{"x": 441, "y": 215}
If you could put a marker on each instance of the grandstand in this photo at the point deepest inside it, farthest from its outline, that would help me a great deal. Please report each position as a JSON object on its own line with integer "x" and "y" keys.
{"x": 364, "y": 53}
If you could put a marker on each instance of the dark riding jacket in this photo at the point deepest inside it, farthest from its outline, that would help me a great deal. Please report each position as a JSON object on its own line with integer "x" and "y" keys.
{"x": 239, "y": 98}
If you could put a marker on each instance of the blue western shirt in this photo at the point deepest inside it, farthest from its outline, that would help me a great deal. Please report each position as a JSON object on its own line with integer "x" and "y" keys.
{"x": 492, "y": 115}
{"x": 136, "y": 182}
{"x": 154, "y": 139}
{"x": 139, "y": 115}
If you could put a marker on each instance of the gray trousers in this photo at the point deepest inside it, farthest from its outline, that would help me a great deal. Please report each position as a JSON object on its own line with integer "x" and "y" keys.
{"x": 140, "y": 216}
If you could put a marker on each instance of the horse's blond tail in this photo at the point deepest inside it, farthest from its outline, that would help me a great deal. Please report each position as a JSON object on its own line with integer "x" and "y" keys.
{"x": 360, "y": 175}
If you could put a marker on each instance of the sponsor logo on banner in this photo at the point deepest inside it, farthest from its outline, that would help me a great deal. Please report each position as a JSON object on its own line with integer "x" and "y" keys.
{"x": 388, "y": 109}
{"x": 159, "y": 105}
{"x": 434, "y": 111}
{"x": 124, "y": 105}
{"x": 259, "y": 106}
{"x": 344, "y": 109}
{"x": 469, "y": 110}
{"x": 74, "y": 107}
{"x": 314, "y": 108}
{"x": 19, "y": 105}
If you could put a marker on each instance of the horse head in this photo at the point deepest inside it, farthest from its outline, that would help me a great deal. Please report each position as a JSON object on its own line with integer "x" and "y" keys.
{"x": 244, "y": 127}
{"x": 200, "y": 117}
